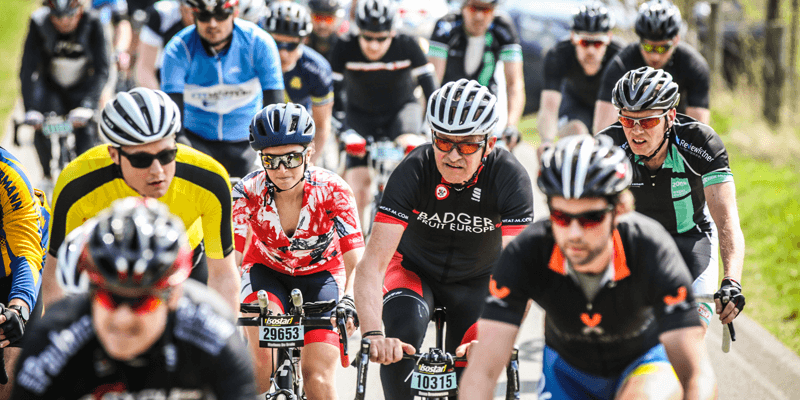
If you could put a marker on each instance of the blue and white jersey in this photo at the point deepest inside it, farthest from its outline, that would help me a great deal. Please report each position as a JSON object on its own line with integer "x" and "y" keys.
{"x": 223, "y": 91}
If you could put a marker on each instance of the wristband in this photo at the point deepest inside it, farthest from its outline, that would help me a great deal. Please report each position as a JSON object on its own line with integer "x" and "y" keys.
{"x": 732, "y": 280}
{"x": 373, "y": 333}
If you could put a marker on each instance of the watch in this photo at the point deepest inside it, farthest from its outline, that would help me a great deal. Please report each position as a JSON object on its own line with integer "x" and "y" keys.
{"x": 22, "y": 311}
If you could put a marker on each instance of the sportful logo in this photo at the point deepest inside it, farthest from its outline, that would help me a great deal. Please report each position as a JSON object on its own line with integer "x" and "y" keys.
{"x": 476, "y": 194}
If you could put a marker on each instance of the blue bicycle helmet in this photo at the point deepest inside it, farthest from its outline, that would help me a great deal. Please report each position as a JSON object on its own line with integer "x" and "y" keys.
{"x": 281, "y": 124}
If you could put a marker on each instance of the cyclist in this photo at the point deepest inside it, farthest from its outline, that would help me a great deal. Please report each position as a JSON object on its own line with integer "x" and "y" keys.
{"x": 658, "y": 26}
{"x": 379, "y": 69}
{"x": 217, "y": 107}
{"x": 142, "y": 331}
{"x": 683, "y": 180}
{"x": 306, "y": 74}
{"x": 445, "y": 214}
{"x": 144, "y": 160}
{"x": 23, "y": 231}
{"x": 252, "y": 10}
{"x": 306, "y": 235}
{"x": 326, "y": 16}
{"x": 616, "y": 295}
{"x": 164, "y": 20}
{"x": 470, "y": 43}
{"x": 573, "y": 68}
{"x": 64, "y": 68}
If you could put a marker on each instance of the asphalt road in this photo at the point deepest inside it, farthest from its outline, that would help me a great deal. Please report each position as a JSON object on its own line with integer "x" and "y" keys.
{"x": 758, "y": 366}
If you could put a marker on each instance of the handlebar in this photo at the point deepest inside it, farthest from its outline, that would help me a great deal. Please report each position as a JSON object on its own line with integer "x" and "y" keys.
{"x": 729, "y": 334}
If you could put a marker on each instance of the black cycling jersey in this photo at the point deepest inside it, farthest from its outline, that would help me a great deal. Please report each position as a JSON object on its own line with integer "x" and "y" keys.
{"x": 163, "y": 22}
{"x": 675, "y": 197}
{"x": 75, "y": 63}
{"x": 449, "y": 41}
{"x": 688, "y": 68}
{"x": 386, "y": 85}
{"x": 200, "y": 356}
{"x": 322, "y": 45}
{"x": 647, "y": 291}
{"x": 455, "y": 233}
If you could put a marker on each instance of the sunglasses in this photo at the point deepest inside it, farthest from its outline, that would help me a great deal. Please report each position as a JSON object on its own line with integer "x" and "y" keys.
{"x": 139, "y": 305}
{"x": 324, "y": 18}
{"x": 658, "y": 49}
{"x": 205, "y": 16}
{"x": 644, "y": 122}
{"x": 289, "y": 160}
{"x": 288, "y": 46}
{"x": 145, "y": 160}
{"x": 586, "y": 220}
{"x": 588, "y": 43}
{"x": 463, "y": 148}
{"x": 379, "y": 39}
{"x": 478, "y": 9}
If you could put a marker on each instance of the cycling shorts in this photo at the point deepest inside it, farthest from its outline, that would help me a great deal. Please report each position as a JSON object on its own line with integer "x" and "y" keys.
{"x": 561, "y": 380}
{"x": 238, "y": 158}
{"x": 407, "y": 120}
{"x": 699, "y": 250}
{"x": 320, "y": 286}
{"x": 36, "y": 313}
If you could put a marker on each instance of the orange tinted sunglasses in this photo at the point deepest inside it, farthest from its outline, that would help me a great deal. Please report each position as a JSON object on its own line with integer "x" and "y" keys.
{"x": 587, "y": 43}
{"x": 478, "y": 9}
{"x": 139, "y": 305}
{"x": 644, "y": 122}
{"x": 324, "y": 18}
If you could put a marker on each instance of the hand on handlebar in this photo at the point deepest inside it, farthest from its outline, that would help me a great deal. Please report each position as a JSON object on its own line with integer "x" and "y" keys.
{"x": 511, "y": 136}
{"x": 729, "y": 300}
{"x": 34, "y": 119}
{"x": 349, "y": 306}
{"x": 464, "y": 349}
{"x": 354, "y": 144}
{"x": 80, "y": 116}
{"x": 388, "y": 350}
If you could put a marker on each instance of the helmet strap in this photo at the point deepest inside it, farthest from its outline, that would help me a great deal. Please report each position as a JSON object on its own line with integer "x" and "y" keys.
{"x": 664, "y": 140}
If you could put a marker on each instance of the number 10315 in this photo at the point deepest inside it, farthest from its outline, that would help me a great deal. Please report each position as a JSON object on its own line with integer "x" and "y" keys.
{"x": 433, "y": 382}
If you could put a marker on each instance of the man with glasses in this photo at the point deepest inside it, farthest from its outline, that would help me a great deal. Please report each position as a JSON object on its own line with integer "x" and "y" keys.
{"x": 470, "y": 44}
{"x": 378, "y": 69}
{"x": 326, "y": 16}
{"x": 616, "y": 295}
{"x": 306, "y": 74}
{"x": 143, "y": 159}
{"x": 683, "y": 180}
{"x": 658, "y": 26}
{"x": 142, "y": 330}
{"x": 446, "y": 212}
{"x": 572, "y": 71}
{"x": 221, "y": 72}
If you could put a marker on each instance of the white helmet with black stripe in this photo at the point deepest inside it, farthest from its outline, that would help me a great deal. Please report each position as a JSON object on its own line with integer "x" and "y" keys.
{"x": 463, "y": 108}
{"x": 139, "y": 116}
{"x": 71, "y": 277}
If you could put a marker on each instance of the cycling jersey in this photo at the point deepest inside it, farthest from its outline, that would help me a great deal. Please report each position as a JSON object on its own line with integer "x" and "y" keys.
{"x": 163, "y": 22}
{"x": 675, "y": 197}
{"x": 327, "y": 228}
{"x": 454, "y": 233}
{"x": 449, "y": 41}
{"x": 111, "y": 10}
{"x": 309, "y": 82}
{"x": 688, "y": 68}
{"x": 23, "y": 231}
{"x": 645, "y": 291}
{"x": 199, "y": 195}
{"x": 199, "y": 356}
{"x": 383, "y": 86}
{"x": 221, "y": 91}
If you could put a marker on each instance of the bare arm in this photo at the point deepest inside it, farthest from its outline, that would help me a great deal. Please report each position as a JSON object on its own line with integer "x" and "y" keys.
{"x": 322, "y": 121}
{"x": 370, "y": 272}
{"x": 507, "y": 240}
{"x": 547, "y": 123}
{"x": 223, "y": 276}
{"x": 146, "y": 66}
{"x": 51, "y": 292}
{"x": 515, "y": 84}
{"x": 701, "y": 114}
{"x": 688, "y": 356}
{"x": 605, "y": 114}
{"x": 351, "y": 259}
{"x": 493, "y": 349}
{"x": 122, "y": 43}
{"x": 439, "y": 64}
{"x": 721, "y": 199}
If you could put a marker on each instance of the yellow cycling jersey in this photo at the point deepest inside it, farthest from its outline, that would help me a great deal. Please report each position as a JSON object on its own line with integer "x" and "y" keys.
{"x": 199, "y": 194}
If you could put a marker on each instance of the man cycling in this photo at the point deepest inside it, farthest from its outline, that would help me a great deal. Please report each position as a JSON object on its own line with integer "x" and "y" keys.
{"x": 470, "y": 43}
{"x": 682, "y": 179}
{"x": 221, "y": 72}
{"x": 573, "y": 68}
{"x": 144, "y": 160}
{"x": 253, "y": 11}
{"x": 326, "y": 16}
{"x": 306, "y": 235}
{"x": 617, "y": 297}
{"x": 164, "y": 20}
{"x": 658, "y": 26}
{"x": 142, "y": 331}
{"x": 64, "y": 68}
{"x": 306, "y": 74}
{"x": 446, "y": 212}
{"x": 379, "y": 69}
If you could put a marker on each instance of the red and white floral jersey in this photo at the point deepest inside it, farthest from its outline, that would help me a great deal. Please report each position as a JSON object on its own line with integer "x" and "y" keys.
{"x": 327, "y": 227}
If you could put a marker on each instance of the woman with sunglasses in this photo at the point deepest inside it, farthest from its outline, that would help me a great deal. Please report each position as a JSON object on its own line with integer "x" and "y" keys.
{"x": 683, "y": 180}
{"x": 616, "y": 295}
{"x": 296, "y": 227}
{"x": 143, "y": 330}
{"x": 445, "y": 214}
{"x": 658, "y": 26}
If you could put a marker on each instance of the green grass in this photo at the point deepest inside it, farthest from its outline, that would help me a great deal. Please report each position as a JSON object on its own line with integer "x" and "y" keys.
{"x": 13, "y": 28}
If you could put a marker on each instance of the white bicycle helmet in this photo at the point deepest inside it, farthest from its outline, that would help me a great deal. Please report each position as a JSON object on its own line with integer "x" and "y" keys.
{"x": 252, "y": 10}
{"x": 463, "y": 108}
{"x": 139, "y": 116}
{"x": 71, "y": 278}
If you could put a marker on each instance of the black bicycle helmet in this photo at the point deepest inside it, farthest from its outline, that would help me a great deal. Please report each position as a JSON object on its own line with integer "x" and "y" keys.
{"x": 326, "y": 7}
{"x": 645, "y": 89}
{"x": 281, "y": 124}
{"x": 463, "y": 108}
{"x": 60, "y": 8}
{"x": 139, "y": 116}
{"x": 582, "y": 166}
{"x": 592, "y": 18}
{"x": 376, "y": 15}
{"x": 288, "y": 18}
{"x": 211, "y": 5}
{"x": 137, "y": 246}
{"x": 658, "y": 20}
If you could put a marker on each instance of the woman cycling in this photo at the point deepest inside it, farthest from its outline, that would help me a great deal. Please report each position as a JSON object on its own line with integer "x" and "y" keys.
{"x": 305, "y": 235}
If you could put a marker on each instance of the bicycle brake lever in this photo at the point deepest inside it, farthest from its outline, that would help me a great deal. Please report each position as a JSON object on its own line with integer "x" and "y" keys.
{"x": 341, "y": 323}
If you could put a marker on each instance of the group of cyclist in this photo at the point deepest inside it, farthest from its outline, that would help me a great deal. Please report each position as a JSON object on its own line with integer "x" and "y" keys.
{"x": 253, "y": 100}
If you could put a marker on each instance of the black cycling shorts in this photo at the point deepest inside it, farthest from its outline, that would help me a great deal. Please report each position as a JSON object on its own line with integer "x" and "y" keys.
{"x": 5, "y": 291}
{"x": 407, "y": 120}
{"x": 238, "y": 158}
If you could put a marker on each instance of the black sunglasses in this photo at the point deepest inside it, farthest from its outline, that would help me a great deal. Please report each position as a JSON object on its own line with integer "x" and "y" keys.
{"x": 288, "y": 46}
{"x": 290, "y": 160}
{"x": 379, "y": 39}
{"x": 145, "y": 160}
{"x": 205, "y": 16}
{"x": 586, "y": 220}
{"x": 463, "y": 148}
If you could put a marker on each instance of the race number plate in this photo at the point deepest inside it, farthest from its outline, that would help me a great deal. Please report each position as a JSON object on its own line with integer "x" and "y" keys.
{"x": 437, "y": 380}
{"x": 279, "y": 332}
{"x": 56, "y": 128}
